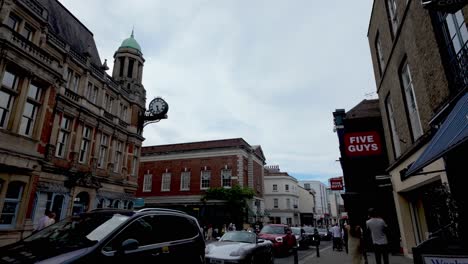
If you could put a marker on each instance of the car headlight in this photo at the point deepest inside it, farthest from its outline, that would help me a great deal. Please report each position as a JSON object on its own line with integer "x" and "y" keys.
{"x": 279, "y": 239}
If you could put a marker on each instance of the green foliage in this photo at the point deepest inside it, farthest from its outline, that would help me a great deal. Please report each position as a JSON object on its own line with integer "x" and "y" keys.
{"x": 233, "y": 196}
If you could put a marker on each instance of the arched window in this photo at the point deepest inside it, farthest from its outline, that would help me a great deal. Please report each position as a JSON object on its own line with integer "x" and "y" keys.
{"x": 130, "y": 206}
{"x": 11, "y": 203}
{"x": 116, "y": 204}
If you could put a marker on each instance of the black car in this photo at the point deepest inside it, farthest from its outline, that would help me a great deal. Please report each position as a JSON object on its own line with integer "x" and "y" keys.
{"x": 325, "y": 234}
{"x": 301, "y": 237}
{"x": 113, "y": 236}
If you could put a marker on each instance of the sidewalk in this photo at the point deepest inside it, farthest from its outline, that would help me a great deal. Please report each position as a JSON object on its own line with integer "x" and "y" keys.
{"x": 327, "y": 256}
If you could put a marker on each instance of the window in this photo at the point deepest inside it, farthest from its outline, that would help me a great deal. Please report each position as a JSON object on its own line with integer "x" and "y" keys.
{"x": 380, "y": 56}
{"x": 288, "y": 203}
{"x": 73, "y": 81}
{"x": 392, "y": 9}
{"x": 393, "y": 131}
{"x": 64, "y": 134}
{"x": 28, "y": 32}
{"x": 185, "y": 181}
{"x": 205, "y": 179}
{"x": 307, "y": 186}
{"x": 108, "y": 102}
{"x": 286, "y": 187}
{"x": 135, "y": 161}
{"x": 92, "y": 93}
{"x": 226, "y": 178}
{"x": 166, "y": 182}
{"x": 131, "y": 62}
{"x": 275, "y": 203}
{"x": 411, "y": 101}
{"x": 147, "y": 182}
{"x": 123, "y": 112}
{"x": 118, "y": 155}
{"x": 8, "y": 92}
{"x": 121, "y": 66}
{"x": 103, "y": 150}
{"x": 13, "y": 22}
{"x": 86, "y": 139}
{"x": 11, "y": 203}
{"x": 457, "y": 30}
{"x": 275, "y": 187}
{"x": 30, "y": 110}
{"x": 295, "y": 206}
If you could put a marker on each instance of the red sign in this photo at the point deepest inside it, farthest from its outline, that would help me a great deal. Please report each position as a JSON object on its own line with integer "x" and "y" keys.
{"x": 336, "y": 184}
{"x": 362, "y": 144}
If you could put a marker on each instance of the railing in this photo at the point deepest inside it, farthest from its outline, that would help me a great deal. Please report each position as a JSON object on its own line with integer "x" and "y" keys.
{"x": 30, "y": 48}
{"x": 78, "y": 57}
{"x": 55, "y": 40}
{"x": 123, "y": 123}
{"x": 108, "y": 115}
{"x": 459, "y": 68}
{"x": 72, "y": 95}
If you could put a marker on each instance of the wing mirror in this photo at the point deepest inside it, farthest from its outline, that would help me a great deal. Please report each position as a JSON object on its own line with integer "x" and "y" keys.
{"x": 260, "y": 240}
{"x": 129, "y": 244}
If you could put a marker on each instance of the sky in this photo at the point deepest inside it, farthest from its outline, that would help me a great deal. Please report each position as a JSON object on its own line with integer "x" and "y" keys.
{"x": 270, "y": 72}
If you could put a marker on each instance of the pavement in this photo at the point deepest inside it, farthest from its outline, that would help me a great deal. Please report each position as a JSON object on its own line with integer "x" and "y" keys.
{"x": 328, "y": 256}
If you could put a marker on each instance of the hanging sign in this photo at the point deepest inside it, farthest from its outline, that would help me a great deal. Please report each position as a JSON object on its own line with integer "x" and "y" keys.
{"x": 362, "y": 144}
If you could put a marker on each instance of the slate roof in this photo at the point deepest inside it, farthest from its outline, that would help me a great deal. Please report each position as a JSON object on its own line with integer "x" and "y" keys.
{"x": 366, "y": 108}
{"x": 67, "y": 27}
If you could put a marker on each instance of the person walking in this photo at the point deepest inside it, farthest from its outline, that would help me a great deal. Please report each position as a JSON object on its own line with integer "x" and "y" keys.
{"x": 209, "y": 233}
{"x": 43, "y": 221}
{"x": 51, "y": 220}
{"x": 316, "y": 239}
{"x": 355, "y": 243}
{"x": 336, "y": 232}
{"x": 345, "y": 237}
{"x": 378, "y": 229}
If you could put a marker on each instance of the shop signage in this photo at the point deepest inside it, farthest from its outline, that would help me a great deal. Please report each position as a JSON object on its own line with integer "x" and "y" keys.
{"x": 336, "y": 184}
{"x": 138, "y": 202}
{"x": 362, "y": 144}
{"x": 451, "y": 6}
{"x": 440, "y": 259}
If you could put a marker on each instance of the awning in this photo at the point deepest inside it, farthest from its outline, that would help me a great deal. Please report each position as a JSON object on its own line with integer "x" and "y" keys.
{"x": 452, "y": 133}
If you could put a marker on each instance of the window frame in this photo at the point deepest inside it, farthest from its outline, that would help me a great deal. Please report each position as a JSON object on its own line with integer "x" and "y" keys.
{"x": 135, "y": 160}
{"x": 185, "y": 180}
{"x": 147, "y": 183}
{"x": 35, "y": 102}
{"x": 393, "y": 16}
{"x": 166, "y": 182}
{"x": 202, "y": 180}
{"x": 416, "y": 130}
{"x": 226, "y": 183}
{"x": 17, "y": 201}
{"x": 15, "y": 18}
{"x": 392, "y": 125}
{"x": 85, "y": 143}
{"x": 275, "y": 203}
{"x": 379, "y": 53}
{"x": 275, "y": 187}
{"x": 65, "y": 131}
{"x": 103, "y": 150}
{"x": 118, "y": 155}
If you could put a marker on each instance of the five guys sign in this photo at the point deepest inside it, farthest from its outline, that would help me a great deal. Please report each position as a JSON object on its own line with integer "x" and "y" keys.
{"x": 336, "y": 184}
{"x": 362, "y": 144}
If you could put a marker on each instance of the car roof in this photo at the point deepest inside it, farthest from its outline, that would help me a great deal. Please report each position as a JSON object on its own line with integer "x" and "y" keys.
{"x": 277, "y": 225}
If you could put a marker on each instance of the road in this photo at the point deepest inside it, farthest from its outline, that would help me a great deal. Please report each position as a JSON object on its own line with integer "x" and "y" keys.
{"x": 305, "y": 255}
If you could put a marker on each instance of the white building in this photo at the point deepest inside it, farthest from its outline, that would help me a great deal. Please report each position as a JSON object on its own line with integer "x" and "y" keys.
{"x": 306, "y": 206}
{"x": 281, "y": 196}
{"x": 321, "y": 200}
{"x": 336, "y": 205}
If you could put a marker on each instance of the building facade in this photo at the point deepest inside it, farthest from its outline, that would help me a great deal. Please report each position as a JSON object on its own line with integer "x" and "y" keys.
{"x": 420, "y": 64}
{"x": 336, "y": 206}
{"x": 306, "y": 206}
{"x": 177, "y": 176}
{"x": 322, "y": 211}
{"x": 70, "y": 134}
{"x": 281, "y": 196}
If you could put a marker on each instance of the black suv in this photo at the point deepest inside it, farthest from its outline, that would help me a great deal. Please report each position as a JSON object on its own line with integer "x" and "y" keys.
{"x": 114, "y": 236}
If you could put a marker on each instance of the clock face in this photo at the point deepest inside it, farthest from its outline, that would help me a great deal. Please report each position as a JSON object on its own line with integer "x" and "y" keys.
{"x": 158, "y": 106}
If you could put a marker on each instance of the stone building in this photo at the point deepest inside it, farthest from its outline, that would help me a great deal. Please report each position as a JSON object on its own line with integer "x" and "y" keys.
{"x": 70, "y": 134}
{"x": 420, "y": 59}
{"x": 281, "y": 196}
{"x": 176, "y": 176}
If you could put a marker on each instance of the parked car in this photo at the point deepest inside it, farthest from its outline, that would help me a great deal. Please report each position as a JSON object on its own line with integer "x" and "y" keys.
{"x": 325, "y": 234}
{"x": 309, "y": 233}
{"x": 240, "y": 247}
{"x": 114, "y": 236}
{"x": 301, "y": 237}
{"x": 283, "y": 241}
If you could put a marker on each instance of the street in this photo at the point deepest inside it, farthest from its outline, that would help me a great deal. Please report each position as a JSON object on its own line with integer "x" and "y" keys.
{"x": 328, "y": 256}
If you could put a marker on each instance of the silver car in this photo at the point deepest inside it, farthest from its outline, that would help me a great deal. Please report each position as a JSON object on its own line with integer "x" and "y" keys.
{"x": 239, "y": 247}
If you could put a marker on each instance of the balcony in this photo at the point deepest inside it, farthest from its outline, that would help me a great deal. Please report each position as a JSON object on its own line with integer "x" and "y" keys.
{"x": 72, "y": 95}
{"x": 108, "y": 115}
{"x": 459, "y": 69}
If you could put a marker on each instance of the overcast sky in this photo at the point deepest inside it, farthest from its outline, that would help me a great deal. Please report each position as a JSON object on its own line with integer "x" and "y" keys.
{"x": 271, "y": 72}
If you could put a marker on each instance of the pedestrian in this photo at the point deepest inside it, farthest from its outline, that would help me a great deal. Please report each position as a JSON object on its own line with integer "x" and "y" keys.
{"x": 51, "y": 220}
{"x": 336, "y": 232}
{"x": 355, "y": 243}
{"x": 316, "y": 239}
{"x": 209, "y": 233}
{"x": 378, "y": 229}
{"x": 43, "y": 221}
{"x": 345, "y": 237}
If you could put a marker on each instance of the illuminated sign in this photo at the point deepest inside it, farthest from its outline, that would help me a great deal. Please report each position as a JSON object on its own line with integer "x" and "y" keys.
{"x": 336, "y": 184}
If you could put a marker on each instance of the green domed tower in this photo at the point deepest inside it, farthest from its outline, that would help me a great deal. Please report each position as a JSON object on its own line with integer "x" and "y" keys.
{"x": 128, "y": 65}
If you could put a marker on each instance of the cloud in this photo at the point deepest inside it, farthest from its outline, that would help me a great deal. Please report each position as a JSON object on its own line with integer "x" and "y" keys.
{"x": 271, "y": 72}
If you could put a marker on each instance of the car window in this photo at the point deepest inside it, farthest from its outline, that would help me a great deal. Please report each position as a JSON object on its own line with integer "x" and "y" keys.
{"x": 273, "y": 230}
{"x": 153, "y": 229}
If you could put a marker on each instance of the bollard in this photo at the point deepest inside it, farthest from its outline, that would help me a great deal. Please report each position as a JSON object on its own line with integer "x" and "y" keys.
{"x": 296, "y": 257}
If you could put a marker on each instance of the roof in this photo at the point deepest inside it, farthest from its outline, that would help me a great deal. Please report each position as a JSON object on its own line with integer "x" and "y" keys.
{"x": 131, "y": 43}
{"x": 67, "y": 27}
{"x": 201, "y": 145}
{"x": 366, "y": 108}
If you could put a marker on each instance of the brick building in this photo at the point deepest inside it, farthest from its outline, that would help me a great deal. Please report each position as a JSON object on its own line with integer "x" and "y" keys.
{"x": 176, "y": 176}
{"x": 420, "y": 59}
{"x": 69, "y": 133}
